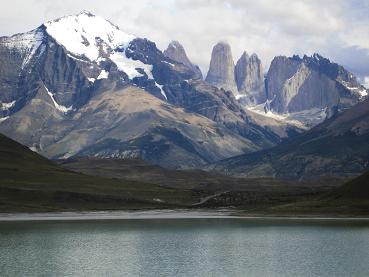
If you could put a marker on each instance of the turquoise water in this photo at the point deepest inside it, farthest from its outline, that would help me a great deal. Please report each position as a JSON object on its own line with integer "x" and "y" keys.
{"x": 184, "y": 247}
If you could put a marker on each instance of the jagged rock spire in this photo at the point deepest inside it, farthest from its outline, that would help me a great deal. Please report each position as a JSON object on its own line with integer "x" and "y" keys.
{"x": 176, "y": 52}
{"x": 221, "y": 69}
{"x": 250, "y": 78}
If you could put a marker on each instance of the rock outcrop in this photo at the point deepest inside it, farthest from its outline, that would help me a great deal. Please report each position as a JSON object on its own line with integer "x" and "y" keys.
{"x": 176, "y": 52}
{"x": 300, "y": 92}
{"x": 221, "y": 69}
{"x": 249, "y": 76}
{"x": 245, "y": 80}
{"x": 297, "y": 84}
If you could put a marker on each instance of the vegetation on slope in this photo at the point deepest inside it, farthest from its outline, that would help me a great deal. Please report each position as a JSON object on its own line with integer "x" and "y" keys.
{"x": 29, "y": 182}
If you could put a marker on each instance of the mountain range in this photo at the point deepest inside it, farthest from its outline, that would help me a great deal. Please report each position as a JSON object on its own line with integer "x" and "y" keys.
{"x": 71, "y": 88}
{"x": 337, "y": 147}
{"x": 78, "y": 86}
{"x": 300, "y": 91}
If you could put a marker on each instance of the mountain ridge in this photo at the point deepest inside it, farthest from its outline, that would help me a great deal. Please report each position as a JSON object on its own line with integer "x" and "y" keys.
{"x": 56, "y": 96}
{"x": 63, "y": 79}
{"x": 337, "y": 147}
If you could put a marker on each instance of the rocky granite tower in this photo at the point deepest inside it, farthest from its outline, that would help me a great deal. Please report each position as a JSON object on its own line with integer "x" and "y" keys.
{"x": 250, "y": 78}
{"x": 221, "y": 69}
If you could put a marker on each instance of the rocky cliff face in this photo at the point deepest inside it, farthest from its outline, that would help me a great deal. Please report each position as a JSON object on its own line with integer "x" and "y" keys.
{"x": 245, "y": 80}
{"x": 297, "y": 84}
{"x": 57, "y": 90}
{"x": 16, "y": 70}
{"x": 300, "y": 92}
{"x": 221, "y": 69}
{"x": 176, "y": 52}
{"x": 249, "y": 76}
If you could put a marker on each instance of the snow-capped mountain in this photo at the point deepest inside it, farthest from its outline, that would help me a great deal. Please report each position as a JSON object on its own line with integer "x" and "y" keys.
{"x": 96, "y": 40}
{"x": 89, "y": 36}
{"x": 96, "y": 45}
{"x": 79, "y": 85}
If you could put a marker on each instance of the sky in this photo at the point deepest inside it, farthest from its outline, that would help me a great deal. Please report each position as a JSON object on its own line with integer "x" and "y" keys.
{"x": 336, "y": 29}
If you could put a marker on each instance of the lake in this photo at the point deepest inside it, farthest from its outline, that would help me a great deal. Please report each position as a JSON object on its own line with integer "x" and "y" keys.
{"x": 196, "y": 246}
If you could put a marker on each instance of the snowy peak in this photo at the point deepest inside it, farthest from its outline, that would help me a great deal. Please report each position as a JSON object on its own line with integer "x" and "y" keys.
{"x": 85, "y": 12}
{"x": 86, "y": 35}
{"x": 27, "y": 43}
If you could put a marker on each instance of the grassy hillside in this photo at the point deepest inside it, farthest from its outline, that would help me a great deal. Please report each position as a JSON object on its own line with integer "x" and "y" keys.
{"x": 225, "y": 191}
{"x": 142, "y": 171}
{"x": 29, "y": 182}
{"x": 350, "y": 199}
{"x": 355, "y": 189}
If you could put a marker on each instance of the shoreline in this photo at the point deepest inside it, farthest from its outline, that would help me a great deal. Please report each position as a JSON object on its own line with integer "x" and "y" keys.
{"x": 165, "y": 214}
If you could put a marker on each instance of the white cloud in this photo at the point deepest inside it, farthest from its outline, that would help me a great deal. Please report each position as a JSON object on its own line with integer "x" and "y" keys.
{"x": 335, "y": 28}
{"x": 366, "y": 82}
